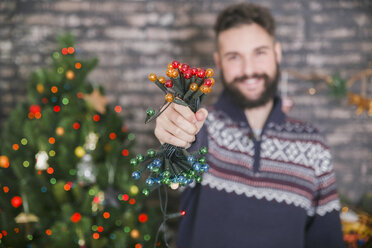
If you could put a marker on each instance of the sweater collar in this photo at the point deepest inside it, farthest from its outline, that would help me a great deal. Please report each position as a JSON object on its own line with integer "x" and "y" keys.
{"x": 236, "y": 113}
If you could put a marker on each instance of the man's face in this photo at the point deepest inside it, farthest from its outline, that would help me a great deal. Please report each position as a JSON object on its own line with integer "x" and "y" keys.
{"x": 249, "y": 61}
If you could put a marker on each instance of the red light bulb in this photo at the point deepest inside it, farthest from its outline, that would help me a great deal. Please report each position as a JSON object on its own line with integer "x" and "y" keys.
{"x": 175, "y": 64}
{"x": 168, "y": 83}
{"x": 201, "y": 73}
{"x": 187, "y": 74}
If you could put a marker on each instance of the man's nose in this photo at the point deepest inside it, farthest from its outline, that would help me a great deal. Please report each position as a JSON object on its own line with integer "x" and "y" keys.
{"x": 248, "y": 66}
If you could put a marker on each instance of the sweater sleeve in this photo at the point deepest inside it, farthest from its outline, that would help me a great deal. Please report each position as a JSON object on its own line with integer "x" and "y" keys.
{"x": 323, "y": 228}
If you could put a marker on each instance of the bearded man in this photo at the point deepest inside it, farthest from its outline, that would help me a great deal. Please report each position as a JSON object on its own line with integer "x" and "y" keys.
{"x": 271, "y": 182}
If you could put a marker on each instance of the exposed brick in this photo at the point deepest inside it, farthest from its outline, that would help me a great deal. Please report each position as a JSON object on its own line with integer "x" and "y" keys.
{"x": 124, "y": 33}
{"x": 135, "y": 38}
{"x": 338, "y": 33}
{"x": 320, "y": 60}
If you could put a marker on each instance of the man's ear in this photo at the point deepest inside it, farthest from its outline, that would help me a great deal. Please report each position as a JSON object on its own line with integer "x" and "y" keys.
{"x": 217, "y": 60}
{"x": 278, "y": 52}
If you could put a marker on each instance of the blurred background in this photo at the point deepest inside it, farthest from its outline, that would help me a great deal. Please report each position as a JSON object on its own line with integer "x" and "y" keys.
{"x": 324, "y": 41}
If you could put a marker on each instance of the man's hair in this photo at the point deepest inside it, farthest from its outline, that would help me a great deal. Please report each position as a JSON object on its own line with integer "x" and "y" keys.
{"x": 245, "y": 13}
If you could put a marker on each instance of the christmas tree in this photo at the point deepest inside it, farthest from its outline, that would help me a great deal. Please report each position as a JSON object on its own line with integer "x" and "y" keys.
{"x": 65, "y": 176}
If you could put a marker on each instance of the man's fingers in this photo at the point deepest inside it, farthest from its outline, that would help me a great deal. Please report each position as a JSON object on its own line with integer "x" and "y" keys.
{"x": 177, "y": 130}
{"x": 166, "y": 137}
{"x": 184, "y": 124}
{"x": 185, "y": 112}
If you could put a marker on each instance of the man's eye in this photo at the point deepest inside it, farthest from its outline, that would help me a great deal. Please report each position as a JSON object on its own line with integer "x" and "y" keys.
{"x": 261, "y": 52}
{"x": 232, "y": 57}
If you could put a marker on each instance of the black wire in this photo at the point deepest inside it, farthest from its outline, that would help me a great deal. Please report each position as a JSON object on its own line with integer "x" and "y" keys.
{"x": 165, "y": 217}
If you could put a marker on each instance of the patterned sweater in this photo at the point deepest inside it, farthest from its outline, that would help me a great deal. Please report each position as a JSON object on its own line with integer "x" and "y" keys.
{"x": 277, "y": 190}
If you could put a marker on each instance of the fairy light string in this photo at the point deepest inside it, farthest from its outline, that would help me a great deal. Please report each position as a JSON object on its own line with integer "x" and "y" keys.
{"x": 170, "y": 165}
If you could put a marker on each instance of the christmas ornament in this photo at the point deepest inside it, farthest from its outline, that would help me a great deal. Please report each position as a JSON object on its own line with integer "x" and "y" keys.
{"x": 40, "y": 88}
{"x": 35, "y": 109}
{"x": 135, "y": 234}
{"x": 86, "y": 170}
{"x": 76, "y": 217}
{"x": 70, "y": 75}
{"x": 91, "y": 142}
{"x": 97, "y": 101}
{"x": 60, "y": 131}
{"x": 41, "y": 160}
{"x": 171, "y": 165}
{"x": 98, "y": 200}
{"x": 361, "y": 101}
{"x": 356, "y": 227}
{"x": 79, "y": 152}
{"x": 142, "y": 218}
{"x": 4, "y": 162}
{"x": 16, "y": 201}
{"x": 24, "y": 218}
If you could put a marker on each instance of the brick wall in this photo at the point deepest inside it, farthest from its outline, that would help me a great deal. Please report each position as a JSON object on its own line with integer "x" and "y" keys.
{"x": 135, "y": 38}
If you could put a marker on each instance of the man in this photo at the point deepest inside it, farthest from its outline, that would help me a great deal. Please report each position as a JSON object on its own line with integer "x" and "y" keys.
{"x": 271, "y": 182}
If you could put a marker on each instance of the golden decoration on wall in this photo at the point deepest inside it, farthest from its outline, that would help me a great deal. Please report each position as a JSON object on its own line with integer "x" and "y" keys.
{"x": 361, "y": 101}
{"x": 340, "y": 88}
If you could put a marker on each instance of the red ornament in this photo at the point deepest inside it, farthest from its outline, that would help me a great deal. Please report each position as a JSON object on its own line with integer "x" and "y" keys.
{"x": 76, "y": 217}
{"x": 201, "y": 73}
{"x": 57, "y": 108}
{"x": 168, "y": 84}
{"x": 194, "y": 71}
{"x": 76, "y": 125}
{"x": 118, "y": 109}
{"x": 125, "y": 197}
{"x": 208, "y": 82}
{"x": 35, "y": 109}
{"x": 125, "y": 152}
{"x": 142, "y": 218}
{"x": 175, "y": 64}
{"x": 45, "y": 100}
{"x": 96, "y": 117}
{"x": 112, "y": 136}
{"x": 183, "y": 213}
{"x": 187, "y": 74}
{"x": 64, "y": 51}
{"x": 16, "y": 201}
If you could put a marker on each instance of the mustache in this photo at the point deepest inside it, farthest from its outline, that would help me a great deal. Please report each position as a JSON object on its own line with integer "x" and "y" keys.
{"x": 246, "y": 77}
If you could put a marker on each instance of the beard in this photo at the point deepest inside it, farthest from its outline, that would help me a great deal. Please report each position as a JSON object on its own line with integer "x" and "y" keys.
{"x": 235, "y": 94}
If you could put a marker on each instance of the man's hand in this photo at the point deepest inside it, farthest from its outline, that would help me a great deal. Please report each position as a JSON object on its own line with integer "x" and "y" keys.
{"x": 178, "y": 125}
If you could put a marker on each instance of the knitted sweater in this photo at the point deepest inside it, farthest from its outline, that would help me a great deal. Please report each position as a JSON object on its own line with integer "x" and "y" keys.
{"x": 273, "y": 191}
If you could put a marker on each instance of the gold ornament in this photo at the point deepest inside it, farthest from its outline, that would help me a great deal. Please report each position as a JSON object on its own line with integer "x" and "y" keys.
{"x": 60, "y": 131}
{"x": 134, "y": 190}
{"x": 135, "y": 234}
{"x": 70, "y": 75}
{"x": 97, "y": 101}
{"x": 361, "y": 101}
{"x": 79, "y": 152}
{"x": 40, "y": 88}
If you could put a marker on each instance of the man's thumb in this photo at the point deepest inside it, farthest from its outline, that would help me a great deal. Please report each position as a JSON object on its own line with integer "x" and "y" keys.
{"x": 201, "y": 114}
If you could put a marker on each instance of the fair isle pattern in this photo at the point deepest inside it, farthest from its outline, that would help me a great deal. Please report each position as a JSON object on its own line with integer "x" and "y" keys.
{"x": 295, "y": 166}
